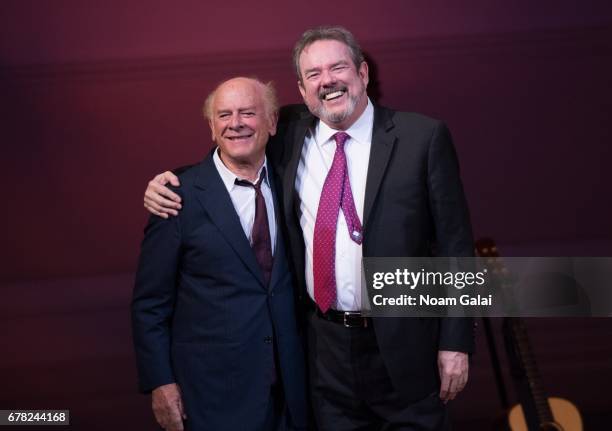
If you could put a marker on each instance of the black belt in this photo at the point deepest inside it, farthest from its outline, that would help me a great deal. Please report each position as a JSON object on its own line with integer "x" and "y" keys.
{"x": 350, "y": 319}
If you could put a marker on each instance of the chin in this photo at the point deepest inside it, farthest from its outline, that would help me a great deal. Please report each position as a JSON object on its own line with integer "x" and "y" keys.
{"x": 337, "y": 116}
{"x": 241, "y": 148}
{"x": 242, "y": 156}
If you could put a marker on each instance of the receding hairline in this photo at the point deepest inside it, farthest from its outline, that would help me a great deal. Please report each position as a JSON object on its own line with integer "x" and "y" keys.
{"x": 266, "y": 89}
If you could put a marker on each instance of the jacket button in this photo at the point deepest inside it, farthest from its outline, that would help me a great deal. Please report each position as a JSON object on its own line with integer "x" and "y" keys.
{"x": 268, "y": 340}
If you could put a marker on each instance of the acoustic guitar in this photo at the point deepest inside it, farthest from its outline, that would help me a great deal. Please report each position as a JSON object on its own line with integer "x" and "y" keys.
{"x": 536, "y": 411}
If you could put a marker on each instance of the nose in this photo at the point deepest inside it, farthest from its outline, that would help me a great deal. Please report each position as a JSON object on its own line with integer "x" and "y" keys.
{"x": 327, "y": 78}
{"x": 235, "y": 122}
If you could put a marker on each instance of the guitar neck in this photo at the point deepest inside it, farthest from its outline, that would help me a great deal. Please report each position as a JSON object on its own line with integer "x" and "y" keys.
{"x": 530, "y": 368}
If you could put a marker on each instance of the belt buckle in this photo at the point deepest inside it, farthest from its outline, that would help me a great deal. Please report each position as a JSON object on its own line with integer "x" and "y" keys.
{"x": 348, "y": 314}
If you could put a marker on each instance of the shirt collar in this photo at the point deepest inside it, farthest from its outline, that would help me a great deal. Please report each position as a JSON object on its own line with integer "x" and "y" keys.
{"x": 360, "y": 130}
{"x": 229, "y": 178}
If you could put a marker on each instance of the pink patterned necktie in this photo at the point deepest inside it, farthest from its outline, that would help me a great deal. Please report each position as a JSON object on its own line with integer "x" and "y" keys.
{"x": 336, "y": 194}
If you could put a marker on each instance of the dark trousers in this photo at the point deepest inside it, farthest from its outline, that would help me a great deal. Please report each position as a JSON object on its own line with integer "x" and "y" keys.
{"x": 351, "y": 389}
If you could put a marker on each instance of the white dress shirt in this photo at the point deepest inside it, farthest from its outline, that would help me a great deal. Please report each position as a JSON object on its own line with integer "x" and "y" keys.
{"x": 315, "y": 162}
{"x": 243, "y": 199}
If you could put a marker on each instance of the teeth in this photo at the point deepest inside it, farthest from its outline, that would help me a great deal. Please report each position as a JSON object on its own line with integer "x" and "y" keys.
{"x": 333, "y": 95}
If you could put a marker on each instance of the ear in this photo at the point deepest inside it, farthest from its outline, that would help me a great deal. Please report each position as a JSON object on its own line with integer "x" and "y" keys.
{"x": 301, "y": 88}
{"x": 273, "y": 122}
{"x": 364, "y": 73}
{"x": 212, "y": 129}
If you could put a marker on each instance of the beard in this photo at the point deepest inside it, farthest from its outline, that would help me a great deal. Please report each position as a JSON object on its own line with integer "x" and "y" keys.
{"x": 320, "y": 111}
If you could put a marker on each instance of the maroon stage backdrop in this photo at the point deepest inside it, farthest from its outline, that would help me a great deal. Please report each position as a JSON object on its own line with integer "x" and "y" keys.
{"x": 97, "y": 97}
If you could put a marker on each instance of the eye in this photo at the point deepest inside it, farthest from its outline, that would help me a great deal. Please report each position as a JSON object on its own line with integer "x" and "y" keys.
{"x": 312, "y": 75}
{"x": 248, "y": 114}
{"x": 223, "y": 115}
{"x": 339, "y": 67}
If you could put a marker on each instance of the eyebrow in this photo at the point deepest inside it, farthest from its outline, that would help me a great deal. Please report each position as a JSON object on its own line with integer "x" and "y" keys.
{"x": 248, "y": 108}
{"x": 339, "y": 63}
{"x": 315, "y": 69}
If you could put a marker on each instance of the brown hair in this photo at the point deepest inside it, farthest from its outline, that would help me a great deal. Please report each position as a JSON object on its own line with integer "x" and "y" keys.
{"x": 327, "y": 33}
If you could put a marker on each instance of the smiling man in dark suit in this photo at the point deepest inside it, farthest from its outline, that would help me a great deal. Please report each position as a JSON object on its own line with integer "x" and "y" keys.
{"x": 213, "y": 308}
{"x": 360, "y": 180}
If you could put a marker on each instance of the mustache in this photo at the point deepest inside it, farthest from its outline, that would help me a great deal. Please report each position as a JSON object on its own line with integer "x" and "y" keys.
{"x": 328, "y": 90}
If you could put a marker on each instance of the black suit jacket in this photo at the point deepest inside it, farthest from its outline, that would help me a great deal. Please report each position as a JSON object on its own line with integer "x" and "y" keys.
{"x": 414, "y": 204}
{"x": 204, "y": 318}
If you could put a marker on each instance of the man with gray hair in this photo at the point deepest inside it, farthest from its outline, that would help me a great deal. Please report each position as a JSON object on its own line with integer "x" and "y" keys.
{"x": 361, "y": 180}
{"x": 213, "y": 307}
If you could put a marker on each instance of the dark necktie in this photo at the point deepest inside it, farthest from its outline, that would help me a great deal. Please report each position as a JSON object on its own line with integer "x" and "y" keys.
{"x": 336, "y": 194}
{"x": 260, "y": 234}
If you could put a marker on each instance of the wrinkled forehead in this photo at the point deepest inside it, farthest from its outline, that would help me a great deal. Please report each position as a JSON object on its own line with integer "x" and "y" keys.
{"x": 238, "y": 94}
{"x": 324, "y": 53}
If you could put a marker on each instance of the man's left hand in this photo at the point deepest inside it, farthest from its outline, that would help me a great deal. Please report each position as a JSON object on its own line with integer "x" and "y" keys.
{"x": 453, "y": 368}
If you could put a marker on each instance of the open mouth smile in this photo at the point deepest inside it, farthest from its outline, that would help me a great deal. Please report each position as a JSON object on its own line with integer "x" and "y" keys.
{"x": 333, "y": 95}
{"x": 239, "y": 138}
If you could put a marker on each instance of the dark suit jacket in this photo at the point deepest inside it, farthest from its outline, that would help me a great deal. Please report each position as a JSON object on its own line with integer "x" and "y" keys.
{"x": 203, "y": 317}
{"x": 414, "y": 204}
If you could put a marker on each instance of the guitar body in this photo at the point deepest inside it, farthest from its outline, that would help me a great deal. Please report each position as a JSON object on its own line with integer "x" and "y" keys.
{"x": 566, "y": 415}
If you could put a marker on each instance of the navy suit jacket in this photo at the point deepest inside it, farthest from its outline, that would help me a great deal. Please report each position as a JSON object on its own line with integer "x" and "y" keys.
{"x": 203, "y": 317}
{"x": 414, "y": 206}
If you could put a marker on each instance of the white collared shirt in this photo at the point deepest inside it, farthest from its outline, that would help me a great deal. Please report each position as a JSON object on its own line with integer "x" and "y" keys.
{"x": 243, "y": 198}
{"x": 315, "y": 162}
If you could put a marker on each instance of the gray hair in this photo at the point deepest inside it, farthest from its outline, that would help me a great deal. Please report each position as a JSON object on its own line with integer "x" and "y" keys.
{"x": 268, "y": 92}
{"x": 327, "y": 33}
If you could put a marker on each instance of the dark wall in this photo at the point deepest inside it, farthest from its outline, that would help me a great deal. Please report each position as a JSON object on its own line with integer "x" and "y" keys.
{"x": 96, "y": 99}
{"x": 34, "y": 32}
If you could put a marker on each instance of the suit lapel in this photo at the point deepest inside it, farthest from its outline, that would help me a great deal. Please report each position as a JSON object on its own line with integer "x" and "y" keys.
{"x": 295, "y": 141}
{"x": 215, "y": 200}
{"x": 380, "y": 153}
{"x": 279, "y": 249}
